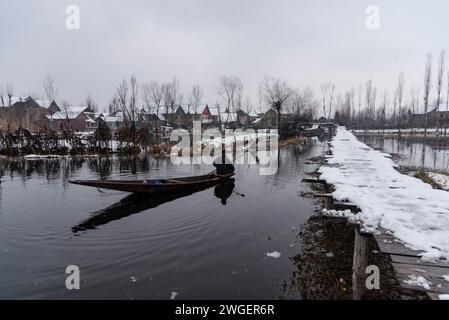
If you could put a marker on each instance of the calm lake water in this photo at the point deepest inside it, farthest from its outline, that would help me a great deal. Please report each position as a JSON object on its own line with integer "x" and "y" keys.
{"x": 410, "y": 152}
{"x": 207, "y": 245}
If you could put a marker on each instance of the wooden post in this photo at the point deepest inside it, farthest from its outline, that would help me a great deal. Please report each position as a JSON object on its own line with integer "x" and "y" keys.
{"x": 359, "y": 265}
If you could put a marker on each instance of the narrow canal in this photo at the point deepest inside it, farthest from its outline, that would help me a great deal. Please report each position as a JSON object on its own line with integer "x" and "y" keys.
{"x": 209, "y": 245}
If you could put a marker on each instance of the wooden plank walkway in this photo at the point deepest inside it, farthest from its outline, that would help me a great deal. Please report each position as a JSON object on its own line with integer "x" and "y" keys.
{"x": 407, "y": 263}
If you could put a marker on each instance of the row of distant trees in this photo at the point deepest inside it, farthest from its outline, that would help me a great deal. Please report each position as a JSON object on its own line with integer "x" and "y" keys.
{"x": 371, "y": 108}
{"x": 364, "y": 105}
{"x": 130, "y": 96}
{"x": 165, "y": 97}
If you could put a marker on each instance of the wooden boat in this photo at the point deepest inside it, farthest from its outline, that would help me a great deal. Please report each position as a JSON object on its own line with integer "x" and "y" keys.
{"x": 138, "y": 202}
{"x": 157, "y": 185}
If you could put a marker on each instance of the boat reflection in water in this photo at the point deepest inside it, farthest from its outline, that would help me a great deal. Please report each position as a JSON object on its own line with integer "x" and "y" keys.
{"x": 136, "y": 203}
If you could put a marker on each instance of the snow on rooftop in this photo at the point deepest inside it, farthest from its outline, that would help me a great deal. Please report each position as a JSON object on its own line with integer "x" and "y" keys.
{"x": 228, "y": 117}
{"x": 45, "y": 103}
{"x": 6, "y": 102}
{"x": 419, "y": 281}
{"x": 71, "y": 113}
{"x": 253, "y": 114}
{"x": 410, "y": 209}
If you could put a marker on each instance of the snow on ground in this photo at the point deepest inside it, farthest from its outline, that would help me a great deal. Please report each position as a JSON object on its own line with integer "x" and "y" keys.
{"x": 396, "y": 131}
{"x": 441, "y": 179}
{"x": 173, "y": 295}
{"x": 405, "y": 206}
{"x": 274, "y": 255}
{"x": 419, "y": 281}
{"x": 48, "y": 156}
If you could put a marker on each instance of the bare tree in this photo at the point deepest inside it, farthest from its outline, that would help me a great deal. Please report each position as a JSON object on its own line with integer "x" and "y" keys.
{"x": 441, "y": 63}
{"x": 133, "y": 102}
{"x": 275, "y": 93}
{"x": 122, "y": 95}
{"x": 368, "y": 95}
{"x": 373, "y": 105}
{"x": 412, "y": 100}
{"x": 67, "y": 114}
{"x": 327, "y": 92}
{"x": 171, "y": 96}
{"x": 352, "y": 105}
{"x": 10, "y": 93}
{"x": 3, "y": 100}
{"x": 324, "y": 93}
{"x": 230, "y": 90}
{"x": 382, "y": 114}
{"x": 90, "y": 103}
{"x": 128, "y": 104}
{"x": 128, "y": 98}
{"x": 447, "y": 92}
{"x": 427, "y": 88}
{"x": 195, "y": 97}
{"x": 331, "y": 99}
{"x": 400, "y": 95}
{"x": 153, "y": 96}
{"x": 302, "y": 103}
{"x": 360, "y": 100}
{"x": 51, "y": 91}
{"x": 114, "y": 105}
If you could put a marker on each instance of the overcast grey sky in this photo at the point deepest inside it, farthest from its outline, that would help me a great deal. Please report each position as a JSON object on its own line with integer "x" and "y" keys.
{"x": 304, "y": 42}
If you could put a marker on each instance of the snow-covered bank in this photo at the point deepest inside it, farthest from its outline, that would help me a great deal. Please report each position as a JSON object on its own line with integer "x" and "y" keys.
{"x": 430, "y": 131}
{"x": 46, "y": 156}
{"x": 405, "y": 206}
{"x": 441, "y": 179}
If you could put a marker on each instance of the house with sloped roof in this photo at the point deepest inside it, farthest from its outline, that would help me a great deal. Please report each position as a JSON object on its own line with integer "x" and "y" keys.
{"x": 75, "y": 118}
{"x": 436, "y": 117}
{"x": 113, "y": 120}
{"x": 23, "y": 112}
{"x": 51, "y": 105}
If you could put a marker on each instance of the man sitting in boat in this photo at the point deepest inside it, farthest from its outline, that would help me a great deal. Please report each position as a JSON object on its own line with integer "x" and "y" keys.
{"x": 222, "y": 164}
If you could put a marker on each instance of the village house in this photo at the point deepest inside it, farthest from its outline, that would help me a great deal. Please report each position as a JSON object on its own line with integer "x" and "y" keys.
{"x": 437, "y": 117}
{"x": 210, "y": 116}
{"x": 51, "y": 105}
{"x": 269, "y": 119}
{"x": 243, "y": 118}
{"x": 113, "y": 120}
{"x": 75, "y": 118}
{"x": 25, "y": 112}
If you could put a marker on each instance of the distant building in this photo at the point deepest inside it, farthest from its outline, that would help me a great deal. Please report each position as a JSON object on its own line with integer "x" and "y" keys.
{"x": 51, "y": 105}
{"x": 437, "y": 117}
{"x": 153, "y": 119}
{"x": 75, "y": 118}
{"x": 113, "y": 120}
{"x": 25, "y": 112}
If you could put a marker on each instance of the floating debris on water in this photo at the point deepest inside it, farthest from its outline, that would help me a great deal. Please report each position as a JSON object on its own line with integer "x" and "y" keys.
{"x": 274, "y": 254}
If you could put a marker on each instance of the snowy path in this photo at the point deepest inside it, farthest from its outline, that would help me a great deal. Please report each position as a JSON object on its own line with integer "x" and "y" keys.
{"x": 406, "y": 207}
